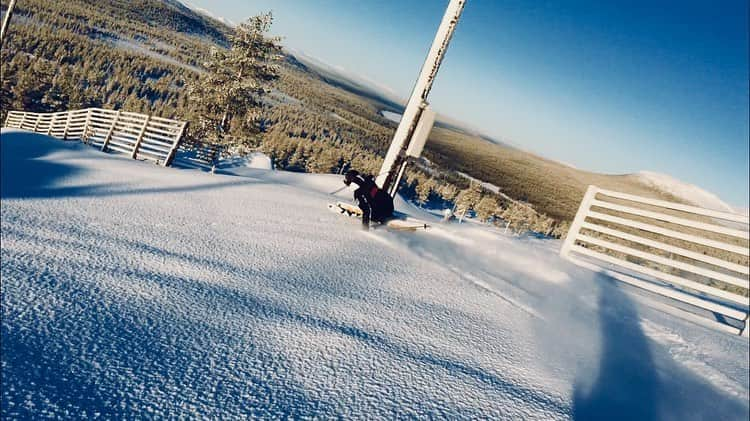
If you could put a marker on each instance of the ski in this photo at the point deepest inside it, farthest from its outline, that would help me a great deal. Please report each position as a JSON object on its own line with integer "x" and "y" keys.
{"x": 346, "y": 209}
{"x": 400, "y": 221}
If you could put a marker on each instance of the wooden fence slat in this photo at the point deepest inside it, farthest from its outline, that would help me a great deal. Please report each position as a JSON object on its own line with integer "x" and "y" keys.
{"x": 127, "y": 131}
{"x": 118, "y": 148}
{"x": 671, "y": 233}
{"x": 169, "y": 133}
{"x": 109, "y": 133}
{"x": 51, "y": 124}
{"x": 668, "y": 248}
{"x": 140, "y": 137}
{"x": 678, "y": 206}
{"x": 743, "y": 283}
{"x": 67, "y": 126}
{"x": 673, "y": 219}
{"x": 86, "y": 128}
{"x": 171, "y": 154}
{"x": 157, "y": 142}
{"x": 153, "y": 148}
{"x": 166, "y": 140}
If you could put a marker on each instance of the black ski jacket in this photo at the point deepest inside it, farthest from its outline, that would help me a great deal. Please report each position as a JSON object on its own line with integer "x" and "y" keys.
{"x": 374, "y": 202}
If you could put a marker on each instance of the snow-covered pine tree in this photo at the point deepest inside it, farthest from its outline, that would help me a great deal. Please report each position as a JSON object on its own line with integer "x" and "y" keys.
{"x": 467, "y": 199}
{"x": 56, "y": 97}
{"x": 235, "y": 81}
{"x": 518, "y": 215}
{"x": 486, "y": 208}
{"x": 448, "y": 192}
{"x": 425, "y": 187}
{"x": 561, "y": 229}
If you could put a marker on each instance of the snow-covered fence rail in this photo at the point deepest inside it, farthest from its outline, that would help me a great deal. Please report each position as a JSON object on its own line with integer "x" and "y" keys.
{"x": 693, "y": 255}
{"x": 139, "y": 135}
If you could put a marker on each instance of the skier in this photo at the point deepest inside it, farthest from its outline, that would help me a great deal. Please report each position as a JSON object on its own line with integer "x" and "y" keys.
{"x": 376, "y": 204}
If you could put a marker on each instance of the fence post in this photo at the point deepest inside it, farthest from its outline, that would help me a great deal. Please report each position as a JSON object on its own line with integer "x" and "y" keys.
{"x": 84, "y": 135}
{"x": 36, "y": 124}
{"x": 7, "y": 119}
{"x": 67, "y": 125}
{"x": 175, "y": 145}
{"x": 140, "y": 137}
{"x": 51, "y": 124}
{"x": 109, "y": 132}
{"x": 575, "y": 227}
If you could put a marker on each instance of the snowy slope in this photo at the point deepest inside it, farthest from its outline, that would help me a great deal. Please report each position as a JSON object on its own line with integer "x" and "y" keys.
{"x": 688, "y": 192}
{"x": 133, "y": 289}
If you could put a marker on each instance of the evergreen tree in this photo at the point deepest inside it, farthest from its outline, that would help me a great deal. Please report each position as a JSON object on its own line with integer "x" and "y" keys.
{"x": 467, "y": 199}
{"x": 486, "y": 208}
{"x": 560, "y": 229}
{"x": 515, "y": 214}
{"x": 236, "y": 79}
{"x": 424, "y": 189}
{"x": 55, "y": 98}
{"x": 448, "y": 192}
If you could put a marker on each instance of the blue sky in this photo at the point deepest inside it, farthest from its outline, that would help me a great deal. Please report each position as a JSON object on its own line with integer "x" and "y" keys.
{"x": 613, "y": 86}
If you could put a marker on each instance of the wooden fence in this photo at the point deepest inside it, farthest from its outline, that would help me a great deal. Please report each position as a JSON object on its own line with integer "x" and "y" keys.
{"x": 138, "y": 135}
{"x": 689, "y": 254}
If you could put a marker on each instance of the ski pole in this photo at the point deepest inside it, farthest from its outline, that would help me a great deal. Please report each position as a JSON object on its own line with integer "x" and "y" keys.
{"x": 336, "y": 191}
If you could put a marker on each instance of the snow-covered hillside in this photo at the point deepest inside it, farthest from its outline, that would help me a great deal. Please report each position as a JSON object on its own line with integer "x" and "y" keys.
{"x": 208, "y": 13}
{"x": 686, "y": 191}
{"x": 132, "y": 289}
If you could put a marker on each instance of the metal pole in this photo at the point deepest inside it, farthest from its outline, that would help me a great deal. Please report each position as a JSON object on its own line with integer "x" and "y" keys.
{"x": 6, "y": 22}
{"x": 395, "y": 158}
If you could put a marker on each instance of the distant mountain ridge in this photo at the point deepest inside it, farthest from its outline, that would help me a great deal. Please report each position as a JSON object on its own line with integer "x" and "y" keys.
{"x": 686, "y": 191}
{"x": 204, "y": 12}
{"x": 341, "y": 78}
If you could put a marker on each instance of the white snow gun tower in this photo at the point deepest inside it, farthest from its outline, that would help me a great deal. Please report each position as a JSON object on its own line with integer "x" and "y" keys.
{"x": 418, "y": 118}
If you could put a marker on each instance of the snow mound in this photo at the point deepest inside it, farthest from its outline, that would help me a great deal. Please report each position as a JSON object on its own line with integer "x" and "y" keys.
{"x": 688, "y": 192}
{"x": 256, "y": 160}
{"x": 134, "y": 290}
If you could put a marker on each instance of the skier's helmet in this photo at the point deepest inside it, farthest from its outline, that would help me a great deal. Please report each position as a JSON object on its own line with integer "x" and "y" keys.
{"x": 350, "y": 176}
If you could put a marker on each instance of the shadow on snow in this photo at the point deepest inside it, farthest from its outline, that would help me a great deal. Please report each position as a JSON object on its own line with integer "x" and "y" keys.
{"x": 637, "y": 380}
{"x": 27, "y": 174}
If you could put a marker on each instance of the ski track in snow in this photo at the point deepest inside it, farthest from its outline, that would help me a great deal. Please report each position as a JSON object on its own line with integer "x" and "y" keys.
{"x": 132, "y": 289}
